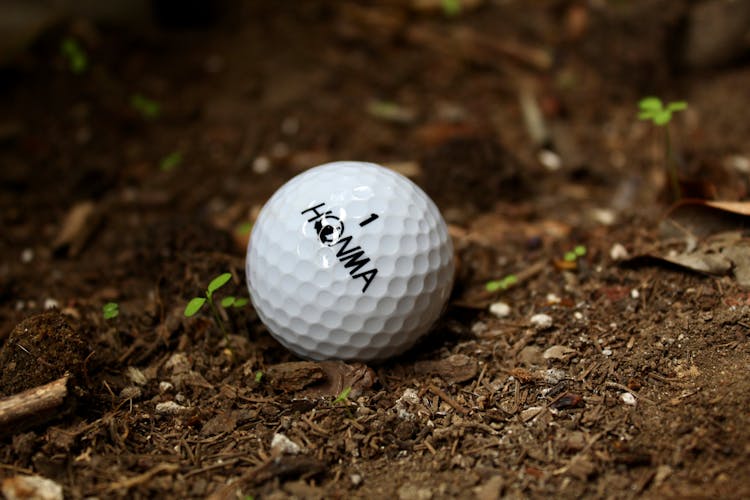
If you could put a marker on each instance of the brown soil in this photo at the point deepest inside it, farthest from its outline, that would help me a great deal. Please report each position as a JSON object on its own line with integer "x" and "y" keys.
{"x": 484, "y": 406}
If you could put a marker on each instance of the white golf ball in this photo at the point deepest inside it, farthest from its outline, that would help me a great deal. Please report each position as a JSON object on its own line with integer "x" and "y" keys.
{"x": 349, "y": 260}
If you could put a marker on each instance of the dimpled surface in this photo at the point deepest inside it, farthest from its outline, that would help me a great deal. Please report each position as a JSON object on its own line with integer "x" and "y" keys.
{"x": 349, "y": 260}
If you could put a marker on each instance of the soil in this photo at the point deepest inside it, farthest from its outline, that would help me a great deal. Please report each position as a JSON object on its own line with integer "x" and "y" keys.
{"x": 637, "y": 386}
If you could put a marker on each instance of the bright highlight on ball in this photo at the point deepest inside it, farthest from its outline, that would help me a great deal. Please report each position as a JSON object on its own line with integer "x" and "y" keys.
{"x": 349, "y": 260}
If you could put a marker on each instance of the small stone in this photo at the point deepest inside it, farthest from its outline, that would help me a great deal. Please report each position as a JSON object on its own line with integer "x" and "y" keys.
{"x": 531, "y": 413}
{"x": 541, "y": 321}
{"x": 634, "y": 293}
{"x": 603, "y": 216}
{"x": 618, "y": 252}
{"x": 283, "y": 445}
{"x": 50, "y": 303}
{"x": 261, "y": 165}
{"x": 607, "y": 352}
{"x": 22, "y": 487}
{"x": 554, "y": 376}
{"x": 500, "y": 309}
{"x": 136, "y": 375}
{"x": 553, "y": 299}
{"x": 550, "y": 160}
{"x": 628, "y": 398}
{"x": 131, "y": 392}
{"x": 165, "y": 386}
{"x": 27, "y": 255}
{"x": 356, "y": 479}
{"x": 170, "y": 408}
{"x": 578, "y": 315}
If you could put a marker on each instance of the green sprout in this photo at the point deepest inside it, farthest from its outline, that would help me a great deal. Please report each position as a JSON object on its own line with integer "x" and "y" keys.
{"x": 171, "y": 161}
{"x": 196, "y": 303}
{"x": 110, "y": 310}
{"x": 653, "y": 110}
{"x": 148, "y": 108}
{"x": 451, "y": 8}
{"x": 258, "y": 376}
{"x": 343, "y": 396}
{"x": 573, "y": 255}
{"x": 74, "y": 53}
{"x": 501, "y": 284}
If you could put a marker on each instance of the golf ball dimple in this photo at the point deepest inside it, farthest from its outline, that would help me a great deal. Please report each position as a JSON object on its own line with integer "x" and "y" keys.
{"x": 349, "y": 260}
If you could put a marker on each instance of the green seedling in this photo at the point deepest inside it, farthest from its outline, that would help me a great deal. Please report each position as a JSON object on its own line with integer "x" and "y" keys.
{"x": 196, "y": 303}
{"x": 451, "y": 8}
{"x": 171, "y": 161}
{"x": 501, "y": 284}
{"x": 71, "y": 50}
{"x": 573, "y": 255}
{"x": 343, "y": 396}
{"x": 110, "y": 310}
{"x": 148, "y": 108}
{"x": 243, "y": 228}
{"x": 258, "y": 376}
{"x": 653, "y": 110}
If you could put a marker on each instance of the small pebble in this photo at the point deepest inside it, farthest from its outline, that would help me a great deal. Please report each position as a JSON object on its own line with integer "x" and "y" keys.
{"x": 634, "y": 293}
{"x": 27, "y": 255}
{"x": 541, "y": 321}
{"x": 607, "y": 352}
{"x": 553, "y": 299}
{"x": 578, "y": 315}
{"x": 628, "y": 399}
{"x": 618, "y": 252}
{"x": 550, "y": 160}
{"x": 51, "y": 304}
{"x": 165, "y": 386}
{"x": 261, "y": 165}
{"x": 500, "y": 309}
{"x": 283, "y": 445}
{"x": 170, "y": 408}
{"x": 356, "y": 479}
{"x": 603, "y": 216}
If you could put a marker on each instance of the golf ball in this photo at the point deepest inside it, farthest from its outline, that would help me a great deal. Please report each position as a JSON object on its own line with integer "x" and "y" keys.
{"x": 349, "y": 260}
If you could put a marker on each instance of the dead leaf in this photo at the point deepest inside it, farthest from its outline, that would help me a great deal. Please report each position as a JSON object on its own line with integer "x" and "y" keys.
{"x": 338, "y": 376}
{"x": 453, "y": 369}
{"x": 558, "y": 352}
{"x": 80, "y": 223}
{"x": 295, "y": 375}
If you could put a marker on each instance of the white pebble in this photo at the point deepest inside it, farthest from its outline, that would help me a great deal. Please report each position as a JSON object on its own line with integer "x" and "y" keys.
{"x": 634, "y": 293}
{"x": 261, "y": 165}
{"x": 603, "y": 216}
{"x": 165, "y": 386}
{"x": 500, "y": 309}
{"x": 27, "y": 255}
{"x": 356, "y": 479}
{"x": 628, "y": 398}
{"x": 607, "y": 352}
{"x": 549, "y": 159}
{"x": 283, "y": 445}
{"x": 618, "y": 252}
{"x": 578, "y": 315}
{"x": 51, "y": 304}
{"x": 553, "y": 299}
{"x": 541, "y": 321}
{"x": 170, "y": 408}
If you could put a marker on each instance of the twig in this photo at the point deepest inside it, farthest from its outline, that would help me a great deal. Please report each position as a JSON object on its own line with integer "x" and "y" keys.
{"x": 141, "y": 478}
{"x": 445, "y": 397}
{"x": 33, "y": 406}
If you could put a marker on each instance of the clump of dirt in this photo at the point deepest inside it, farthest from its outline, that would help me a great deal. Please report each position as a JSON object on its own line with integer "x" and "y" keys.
{"x": 39, "y": 350}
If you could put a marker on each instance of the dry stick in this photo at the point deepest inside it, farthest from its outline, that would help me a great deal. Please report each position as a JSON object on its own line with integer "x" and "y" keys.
{"x": 142, "y": 478}
{"x": 33, "y": 406}
{"x": 445, "y": 397}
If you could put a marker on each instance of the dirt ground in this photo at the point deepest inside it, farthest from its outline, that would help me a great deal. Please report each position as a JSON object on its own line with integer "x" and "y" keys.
{"x": 135, "y": 180}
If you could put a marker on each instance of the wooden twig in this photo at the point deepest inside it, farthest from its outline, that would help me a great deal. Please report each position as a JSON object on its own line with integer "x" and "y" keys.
{"x": 445, "y": 397}
{"x": 33, "y": 407}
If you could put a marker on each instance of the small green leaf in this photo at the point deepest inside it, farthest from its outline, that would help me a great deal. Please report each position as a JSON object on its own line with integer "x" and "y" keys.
{"x": 227, "y": 301}
{"x": 148, "y": 108}
{"x": 342, "y": 396}
{"x": 662, "y": 118}
{"x": 501, "y": 284}
{"x": 646, "y": 115}
{"x": 570, "y": 257}
{"x": 243, "y": 228}
{"x": 218, "y": 282}
{"x": 579, "y": 250}
{"x": 171, "y": 161}
{"x": 258, "y": 376}
{"x": 76, "y": 56}
{"x": 493, "y": 286}
{"x": 650, "y": 104}
{"x": 110, "y": 310}
{"x": 451, "y": 8}
{"x": 677, "y": 106}
{"x": 194, "y": 306}
{"x": 240, "y": 302}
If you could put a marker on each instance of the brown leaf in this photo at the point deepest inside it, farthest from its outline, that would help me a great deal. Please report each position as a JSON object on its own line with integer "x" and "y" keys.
{"x": 80, "y": 223}
{"x": 453, "y": 369}
{"x": 294, "y": 376}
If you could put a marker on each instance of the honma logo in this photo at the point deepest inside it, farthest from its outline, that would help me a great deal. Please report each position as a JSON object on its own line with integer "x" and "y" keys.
{"x": 330, "y": 231}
